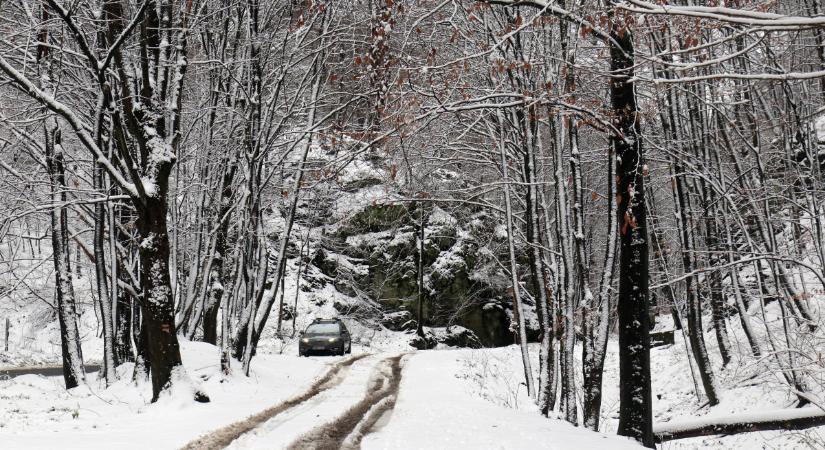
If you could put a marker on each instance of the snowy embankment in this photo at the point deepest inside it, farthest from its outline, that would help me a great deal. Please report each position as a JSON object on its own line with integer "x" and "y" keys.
{"x": 750, "y": 388}
{"x": 37, "y": 412}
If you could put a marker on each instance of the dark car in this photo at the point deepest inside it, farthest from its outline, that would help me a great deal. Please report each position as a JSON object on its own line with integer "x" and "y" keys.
{"x": 325, "y": 336}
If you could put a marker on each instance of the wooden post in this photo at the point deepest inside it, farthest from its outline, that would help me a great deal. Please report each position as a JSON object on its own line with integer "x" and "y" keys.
{"x": 6, "y": 345}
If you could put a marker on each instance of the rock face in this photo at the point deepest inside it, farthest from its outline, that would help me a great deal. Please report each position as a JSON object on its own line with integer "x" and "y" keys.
{"x": 399, "y": 321}
{"x": 456, "y": 336}
{"x": 453, "y": 336}
{"x": 368, "y": 250}
{"x": 377, "y": 256}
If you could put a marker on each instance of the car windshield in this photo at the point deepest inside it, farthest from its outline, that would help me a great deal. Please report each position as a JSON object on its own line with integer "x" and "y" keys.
{"x": 323, "y": 328}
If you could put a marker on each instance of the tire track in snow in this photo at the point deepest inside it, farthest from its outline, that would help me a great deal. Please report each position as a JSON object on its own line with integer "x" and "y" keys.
{"x": 222, "y": 437}
{"x": 347, "y": 431}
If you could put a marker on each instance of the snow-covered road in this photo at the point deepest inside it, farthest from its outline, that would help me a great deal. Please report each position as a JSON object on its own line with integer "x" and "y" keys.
{"x": 331, "y": 413}
{"x": 403, "y": 401}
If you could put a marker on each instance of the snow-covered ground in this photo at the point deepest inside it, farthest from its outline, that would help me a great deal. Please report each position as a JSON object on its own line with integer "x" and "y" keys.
{"x": 449, "y": 400}
{"x": 443, "y": 402}
{"x": 459, "y": 398}
{"x": 37, "y": 412}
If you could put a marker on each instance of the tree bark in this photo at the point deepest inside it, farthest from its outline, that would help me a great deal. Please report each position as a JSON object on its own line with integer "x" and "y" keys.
{"x": 73, "y": 374}
{"x": 217, "y": 277}
{"x": 157, "y": 307}
{"x": 635, "y": 407}
{"x": 103, "y": 295}
{"x": 596, "y": 345}
{"x": 537, "y": 272}
{"x": 518, "y": 309}
{"x": 694, "y": 311}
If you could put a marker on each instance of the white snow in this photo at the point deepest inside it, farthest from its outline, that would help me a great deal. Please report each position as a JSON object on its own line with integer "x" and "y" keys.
{"x": 285, "y": 428}
{"x": 440, "y": 406}
{"x": 752, "y": 417}
{"x": 36, "y": 412}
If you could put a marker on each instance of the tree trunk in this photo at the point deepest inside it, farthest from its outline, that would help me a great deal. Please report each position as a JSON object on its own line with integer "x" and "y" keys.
{"x": 518, "y": 310}
{"x": 783, "y": 419}
{"x": 567, "y": 297}
{"x": 694, "y": 312}
{"x": 537, "y": 273}
{"x": 124, "y": 315}
{"x": 419, "y": 329}
{"x": 103, "y": 295}
{"x": 635, "y": 407}
{"x": 552, "y": 292}
{"x": 73, "y": 374}
{"x": 217, "y": 278}
{"x": 593, "y": 360}
{"x": 157, "y": 307}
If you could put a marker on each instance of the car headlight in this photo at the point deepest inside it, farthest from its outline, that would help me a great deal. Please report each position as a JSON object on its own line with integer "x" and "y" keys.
{"x": 333, "y": 339}
{"x": 305, "y": 340}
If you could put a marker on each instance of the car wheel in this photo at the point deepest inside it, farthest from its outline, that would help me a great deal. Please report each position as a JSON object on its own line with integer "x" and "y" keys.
{"x": 349, "y": 349}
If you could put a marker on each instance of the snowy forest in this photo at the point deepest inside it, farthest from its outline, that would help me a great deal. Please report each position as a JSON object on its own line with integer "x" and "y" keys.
{"x": 562, "y": 224}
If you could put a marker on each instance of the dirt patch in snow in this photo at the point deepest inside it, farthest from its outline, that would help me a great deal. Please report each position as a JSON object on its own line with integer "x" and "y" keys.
{"x": 222, "y": 437}
{"x": 346, "y": 431}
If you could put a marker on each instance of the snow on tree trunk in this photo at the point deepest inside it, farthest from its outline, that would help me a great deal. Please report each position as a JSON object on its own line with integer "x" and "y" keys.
{"x": 104, "y": 297}
{"x": 694, "y": 312}
{"x": 567, "y": 296}
{"x": 518, "y": 313}
{"x": 593, "y": 360}
{"x": 217, "y": 276}
{"x": 157, "y": 306}
{"x": 551, "y": 270}
{"x": 73, "y": 374}
{"x": 635, "y": 407}
{"x": 537, "y": 272}
{"x": 124, "y": 314}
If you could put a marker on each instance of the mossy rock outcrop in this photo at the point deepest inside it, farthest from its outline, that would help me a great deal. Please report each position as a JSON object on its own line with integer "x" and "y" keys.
{"x": 374, "y": 218}
{"x": 462, "y": 277}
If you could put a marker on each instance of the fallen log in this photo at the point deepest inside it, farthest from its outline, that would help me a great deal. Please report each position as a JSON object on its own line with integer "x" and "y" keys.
{"x": 782, "y": 419}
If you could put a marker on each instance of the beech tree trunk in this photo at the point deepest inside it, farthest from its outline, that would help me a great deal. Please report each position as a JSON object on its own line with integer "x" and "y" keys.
{"x": 595, "y": 349}
{"x": 103, "y": 295}
{"x": 694, "y": 311}
{"x": 157, "y": 306}
{"x": 518, "y": 309}
{"x": 73, "y": 374}
{"x": 124, "y": 315}
{"x": 217, "y": 278}
{"x": 635, "y": 401}
{"x": 537, "y": 272}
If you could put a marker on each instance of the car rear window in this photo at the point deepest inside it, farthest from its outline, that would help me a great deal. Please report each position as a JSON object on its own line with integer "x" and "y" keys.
{"x": 323, "y": 328}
